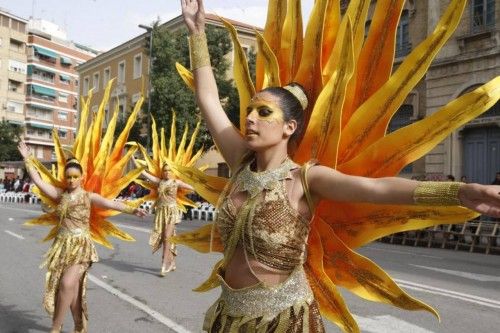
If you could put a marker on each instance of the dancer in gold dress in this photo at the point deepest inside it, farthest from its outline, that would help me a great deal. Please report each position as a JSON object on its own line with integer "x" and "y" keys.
{"x": 273, "y": 212}
{"x": 79, "y": 193}
{"x": 167, "y": 215}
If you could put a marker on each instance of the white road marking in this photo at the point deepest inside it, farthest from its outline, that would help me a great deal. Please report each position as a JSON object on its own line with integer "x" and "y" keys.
{"x": 402, "y": 252}
{"x": 491, "y": 303}
{"x": 14, "y": 234}
{"x": 156, "y": 315}
{"x": 467, "y": 275}
{"x": 133, "y": 228}
{"x": 388, "y": 324}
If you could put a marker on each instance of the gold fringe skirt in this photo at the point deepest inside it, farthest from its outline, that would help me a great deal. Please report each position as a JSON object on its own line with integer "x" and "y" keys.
{"x": 71, "y": 247}
{"x": 288, "y": 307}
{"x": 165, "y": 215}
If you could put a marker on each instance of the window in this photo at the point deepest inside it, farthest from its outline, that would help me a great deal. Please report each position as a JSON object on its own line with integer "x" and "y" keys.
{"x": 15, "y": 107}
{"x": 403, "y": 45}
{"x": 39, "y": 152}
{"x": 42, "y": 75}
{"x": 39, "y": 114}
{"x": 64, "y": 79}
{"x": 403, "y": 117}
{"x": 16, "y": 45}
{"x": 95, "y": 82}
{"x": 106, "y": 76}
{"x": 137, "y": 66}
{"x": 17, "y": 66}
{"x": 62, "y": 115}
{"x": 482, "y": 14}
{"x": 62, "y": 97}
{"x": 86, "y": 82}
{"x": 62, "y": 134}
{"x": 14, "y": 86}
{"x": 121, "y": 72}
{"x": 122, "y": 107}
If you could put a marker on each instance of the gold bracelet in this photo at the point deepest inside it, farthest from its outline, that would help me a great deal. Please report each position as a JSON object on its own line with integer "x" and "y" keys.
{"x": 30, "y": 164}
{"x": 437, "y": 193}
{"x": 198, "y": 51}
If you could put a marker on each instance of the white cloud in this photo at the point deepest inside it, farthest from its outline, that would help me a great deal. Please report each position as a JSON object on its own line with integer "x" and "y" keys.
{"x": 254, "y": 15}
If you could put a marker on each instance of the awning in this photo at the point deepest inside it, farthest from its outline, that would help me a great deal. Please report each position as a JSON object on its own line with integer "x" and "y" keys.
{"x": 40, "y": 107}
{"x": 30, "y": 69}
{"x": 43, "y": 90}
{"x": 45, "y": 52}
{"x": 64, "y": 77}
{"x": 66, "y": 61}
{"x": 15, "y": 122}
{"x": 38, "y": 125}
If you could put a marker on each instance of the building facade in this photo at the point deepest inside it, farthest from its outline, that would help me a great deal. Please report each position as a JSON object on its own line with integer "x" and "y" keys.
{"x": 13, "y": 67}
{"x": 51, "y": 87}
{"x": 470, "y": 58}
{"x": 128, "y": 63}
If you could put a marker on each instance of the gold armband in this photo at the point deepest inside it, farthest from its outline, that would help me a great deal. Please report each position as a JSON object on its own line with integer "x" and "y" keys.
{"x": 437, "y": 193}
{"x": 30, "y": 164}
{"x": 198, "y": 51}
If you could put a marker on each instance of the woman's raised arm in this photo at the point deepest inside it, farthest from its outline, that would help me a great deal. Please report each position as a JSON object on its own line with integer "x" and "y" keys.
{"x": 227, "y": 138}
{"x": 51, "y": 191}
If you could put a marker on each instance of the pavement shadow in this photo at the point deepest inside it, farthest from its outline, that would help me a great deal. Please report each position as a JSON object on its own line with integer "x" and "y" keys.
{"x": 127, "y": 267}
{"x": 20, "y": 321}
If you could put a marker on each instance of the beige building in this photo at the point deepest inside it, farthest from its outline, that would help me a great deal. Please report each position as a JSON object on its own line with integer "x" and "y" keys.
{"x": 13, "y": 67}
{"x": 128, "y": 63}
{"x": 471, "y": 57}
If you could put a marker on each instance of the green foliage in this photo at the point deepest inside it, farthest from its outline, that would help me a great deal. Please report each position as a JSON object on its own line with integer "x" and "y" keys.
{"x": 9, "y": 137}
{"x": 135, "y": 131}
{"x": 171, "y": 93}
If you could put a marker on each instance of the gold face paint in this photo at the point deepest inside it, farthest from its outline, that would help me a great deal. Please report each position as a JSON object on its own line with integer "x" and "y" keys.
{"x": 265, "y": 111}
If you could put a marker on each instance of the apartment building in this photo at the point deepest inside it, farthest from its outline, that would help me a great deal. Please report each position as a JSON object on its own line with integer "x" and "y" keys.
{"x": 13, "y": 67}
{"x": 52, "y": 95}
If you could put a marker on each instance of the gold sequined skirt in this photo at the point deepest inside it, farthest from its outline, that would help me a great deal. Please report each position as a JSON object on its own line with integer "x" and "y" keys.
{"x": 288, "y": 307}
{"x": 71, "y": 247}
{"x": 165, "y": 215}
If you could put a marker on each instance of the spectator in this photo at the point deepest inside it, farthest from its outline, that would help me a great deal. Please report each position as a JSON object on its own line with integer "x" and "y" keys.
{"x": 496, "y": 181}
{"x": 2, "y": 185}
{"x": 450, "y": 178}
{"x": 17, "y": 185}
{"x": 463, "y": 179}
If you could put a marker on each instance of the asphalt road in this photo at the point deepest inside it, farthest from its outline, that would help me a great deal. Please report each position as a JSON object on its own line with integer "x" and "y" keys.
{"x": 126, "y": 294}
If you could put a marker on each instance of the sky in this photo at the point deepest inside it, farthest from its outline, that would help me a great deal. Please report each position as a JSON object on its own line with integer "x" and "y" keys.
{"x": 104, "y": 24}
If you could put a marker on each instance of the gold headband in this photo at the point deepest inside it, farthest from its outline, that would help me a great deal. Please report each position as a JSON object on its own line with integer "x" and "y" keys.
{"x": 299, "y": 94}
{"x": 72, "y": 160}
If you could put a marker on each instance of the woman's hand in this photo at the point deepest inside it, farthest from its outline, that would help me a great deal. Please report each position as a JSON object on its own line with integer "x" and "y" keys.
{"x": 194, "y": 15}
{"x": 484, "y": 199}
{"x": 24, "y": 150}
{"x": 140, "y": 212}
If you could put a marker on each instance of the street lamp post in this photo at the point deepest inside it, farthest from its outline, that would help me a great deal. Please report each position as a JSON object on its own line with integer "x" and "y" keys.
{"x": 150, "y": 64}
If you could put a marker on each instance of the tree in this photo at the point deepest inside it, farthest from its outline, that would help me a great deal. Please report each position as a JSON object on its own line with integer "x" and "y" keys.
{"x": 9, "y": 137}
{"x": 169, "y": 92}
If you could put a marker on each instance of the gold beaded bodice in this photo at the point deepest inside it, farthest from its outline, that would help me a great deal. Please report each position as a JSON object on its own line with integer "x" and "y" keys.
{"x": 272, "y": 232}
{"x": 74, "y": 209}
{"x": 167, "y": 193}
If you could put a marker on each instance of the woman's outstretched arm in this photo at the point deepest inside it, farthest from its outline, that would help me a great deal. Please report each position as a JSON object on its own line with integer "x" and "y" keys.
{"x": 326, "y": 183}
{"x": 102, "y": 202}
{"x": 51, "y": 191}
{"x": 227, "y": 138}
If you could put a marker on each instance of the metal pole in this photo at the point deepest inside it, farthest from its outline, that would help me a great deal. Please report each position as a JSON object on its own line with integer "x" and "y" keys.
{"x": 150, "y": 65}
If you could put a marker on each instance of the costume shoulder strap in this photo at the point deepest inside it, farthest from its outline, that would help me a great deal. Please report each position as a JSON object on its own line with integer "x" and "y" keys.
{"x": 303, "y": 177}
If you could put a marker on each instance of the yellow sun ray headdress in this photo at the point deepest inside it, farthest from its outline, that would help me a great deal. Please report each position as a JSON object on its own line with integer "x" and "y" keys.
{"x": 353, "y": 94}
{"x": 180, "y": 156}
{"x": 103, "y": 163}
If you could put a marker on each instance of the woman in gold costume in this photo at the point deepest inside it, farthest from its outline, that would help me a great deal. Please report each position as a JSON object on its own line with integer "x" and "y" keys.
{"x": 267, "y": 210}
{"x": 72, "y": 252}
{"x": 167, "y": 215}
